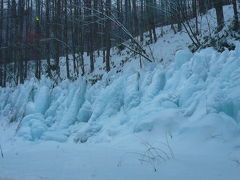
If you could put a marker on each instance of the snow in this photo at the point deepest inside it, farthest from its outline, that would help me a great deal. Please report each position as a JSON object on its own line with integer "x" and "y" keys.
{"x": 170, "y": 120}
{"x": 182, "y": 57}
{"x": 191, "y": 106}
{"x": 51, "y": 160}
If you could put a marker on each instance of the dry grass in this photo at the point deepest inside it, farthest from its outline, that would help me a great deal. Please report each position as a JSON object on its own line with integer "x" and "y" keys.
{"x": 156, "y": 155}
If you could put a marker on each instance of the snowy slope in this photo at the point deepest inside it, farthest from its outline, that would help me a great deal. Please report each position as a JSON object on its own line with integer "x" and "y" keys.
{"x": 163, "y": 51}
{"x": 187, "y": 115}
{"x": 172, "y": 121}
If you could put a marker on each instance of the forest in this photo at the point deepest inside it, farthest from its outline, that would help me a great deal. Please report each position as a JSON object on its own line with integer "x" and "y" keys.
{"x": 33, "y": 31}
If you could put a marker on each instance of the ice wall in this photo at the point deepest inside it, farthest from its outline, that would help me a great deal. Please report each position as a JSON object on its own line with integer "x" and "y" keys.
{"x": 196, "y": 91}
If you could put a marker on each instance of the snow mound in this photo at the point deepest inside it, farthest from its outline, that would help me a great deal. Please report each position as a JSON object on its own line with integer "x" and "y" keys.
{"x": 197, "y": 92}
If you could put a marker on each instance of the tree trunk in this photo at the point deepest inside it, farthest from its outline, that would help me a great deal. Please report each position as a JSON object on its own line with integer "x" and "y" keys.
{"x": 48, "y": 36}
{"x": 108, "y": 35}
{"x": 218, "y": 5}
{"x": 1, "y": 44}
{"x": 236, "y": 23}
{"x": 66, "y": 39}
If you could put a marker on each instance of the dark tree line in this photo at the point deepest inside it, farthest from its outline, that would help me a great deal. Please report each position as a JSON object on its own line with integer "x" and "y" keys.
{"x": 32, "y": 30}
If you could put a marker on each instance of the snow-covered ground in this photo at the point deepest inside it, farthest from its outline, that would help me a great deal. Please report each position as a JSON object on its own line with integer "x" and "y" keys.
{"x": 211, "y": 159}
{"x": 171, "y": 121}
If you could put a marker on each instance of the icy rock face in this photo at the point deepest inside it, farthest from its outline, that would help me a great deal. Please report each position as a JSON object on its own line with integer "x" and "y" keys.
{"x": 182, "y": 57}
{"x": 40, "y": 101}
{"x": 131, "y": 92}
{"x": 73, "y": 105}
{"x": 32, "y": 127}
{"x": 201, "y": 88}
{"x": 13, "y": 102}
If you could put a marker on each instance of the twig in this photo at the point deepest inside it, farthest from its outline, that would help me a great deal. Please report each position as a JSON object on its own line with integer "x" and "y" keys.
{"x": 140, "y": 50}
{"x": 1, "y": 151}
